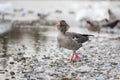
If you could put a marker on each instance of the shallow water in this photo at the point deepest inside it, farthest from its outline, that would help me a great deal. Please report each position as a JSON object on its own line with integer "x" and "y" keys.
{"x": 19, "y": 39}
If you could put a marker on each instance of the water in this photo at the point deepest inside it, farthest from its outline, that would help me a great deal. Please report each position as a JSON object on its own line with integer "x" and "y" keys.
{"x": 22, "y": 40}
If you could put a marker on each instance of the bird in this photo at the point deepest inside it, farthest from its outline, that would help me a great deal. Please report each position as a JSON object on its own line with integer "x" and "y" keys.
{"x": 70, "y": 40}
{"x": 111, "y": 24}
{"x": 58, "y": 11}
{"x": 93, "y": 26}
{"x": 42, "y": 15}
{"x": 112, "y": 16}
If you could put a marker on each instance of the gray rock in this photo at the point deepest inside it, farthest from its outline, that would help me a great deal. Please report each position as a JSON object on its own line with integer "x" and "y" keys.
{"x": 39, "y": 70}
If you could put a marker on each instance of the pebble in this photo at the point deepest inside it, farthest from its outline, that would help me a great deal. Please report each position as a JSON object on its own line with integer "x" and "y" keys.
{"x": 100, "y": 78}
{"x": 12, "y": 73}
{"x": 84, "y": 68}
{"x": 39, "y": 70}
{"x": 21, "y": 53}
{"x": 11, "y": 62}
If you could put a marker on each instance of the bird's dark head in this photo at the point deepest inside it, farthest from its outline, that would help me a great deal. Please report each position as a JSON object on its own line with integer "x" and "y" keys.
{"x": 109, "y": 10}
{"x": 88, "y": 21}
{"x": 106, "y": 20}
{"x": 62, "y": 26}
{"x": 61, "y": 23}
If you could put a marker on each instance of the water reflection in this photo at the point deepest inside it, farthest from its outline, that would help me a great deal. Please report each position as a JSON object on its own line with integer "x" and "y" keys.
{"x": 14, "y": 34}
{"x": 20, "y": 39}
{"x": 38, "y": 38}
{"x": 4, "y": 42}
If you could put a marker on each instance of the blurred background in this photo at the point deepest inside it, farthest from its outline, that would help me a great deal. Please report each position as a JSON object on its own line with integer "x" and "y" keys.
{"x": 27, "y": 29}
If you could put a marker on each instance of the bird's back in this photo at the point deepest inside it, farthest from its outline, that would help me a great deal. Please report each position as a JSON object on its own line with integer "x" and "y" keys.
{"x": 80, "y": 38}
{"x": 112, "y": 24}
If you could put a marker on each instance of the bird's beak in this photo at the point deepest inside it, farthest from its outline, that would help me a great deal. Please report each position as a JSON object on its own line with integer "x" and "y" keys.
{"x": 58, "y": 24}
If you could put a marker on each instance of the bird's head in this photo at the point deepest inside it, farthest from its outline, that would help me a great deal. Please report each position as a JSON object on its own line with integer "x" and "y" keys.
{"x": 62, "y": 26}
{"x": 109, "y": 11}
{"x": 106, "y": 20}
{"x": 88, "y": 21}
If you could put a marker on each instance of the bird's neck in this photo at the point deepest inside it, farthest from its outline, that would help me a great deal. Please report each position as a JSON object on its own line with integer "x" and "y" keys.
{"x": 61, "y": 32}
{"x": 90, "y": 23}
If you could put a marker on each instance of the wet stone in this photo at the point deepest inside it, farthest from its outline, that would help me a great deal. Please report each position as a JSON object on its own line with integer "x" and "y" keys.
{"x": 41, "y": 78}
{"x": 12, "y": 77}
{"x": 40, "y": 69}
{"x": 21, "y": 53}
{"x": 114, "y": 63}
{"x": 11, "y": 62}
{"x": 12, "y": 73}
{"x": 100, "y": 78}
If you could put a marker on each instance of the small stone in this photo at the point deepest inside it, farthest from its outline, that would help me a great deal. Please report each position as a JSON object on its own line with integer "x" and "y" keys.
{"x": 12, "y": 73}
{"x": 41, "y": 78}
{"x": 12, "y": 77}
{"x": 100, "y": 78}
{"x": 20, "y": 53}
{"x": 84, "y": 68}
{"x": 114, "y": 63}
{"x": 40, "y": 69}
{"x": 11, "y": 62}
{"x": 91, "y": 46}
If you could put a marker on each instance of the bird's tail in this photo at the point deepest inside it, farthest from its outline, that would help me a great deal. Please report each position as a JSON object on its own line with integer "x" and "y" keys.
{"x": 107, "y": 25}
{"x": 87, "y": 35}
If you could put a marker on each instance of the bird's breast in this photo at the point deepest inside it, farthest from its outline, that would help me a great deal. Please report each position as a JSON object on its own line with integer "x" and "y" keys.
{"x": 67, "y": 42}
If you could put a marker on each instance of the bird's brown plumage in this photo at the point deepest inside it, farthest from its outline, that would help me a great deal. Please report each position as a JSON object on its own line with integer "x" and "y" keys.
{"x": 70, "y": 40}
{"x": 93, "y": 26}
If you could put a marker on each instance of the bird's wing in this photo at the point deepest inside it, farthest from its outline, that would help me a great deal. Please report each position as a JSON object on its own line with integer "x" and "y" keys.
{"x": 80, "y": 38}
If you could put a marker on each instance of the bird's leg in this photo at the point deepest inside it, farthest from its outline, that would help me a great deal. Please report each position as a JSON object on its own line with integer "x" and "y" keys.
{"x": 76, "y": 57}
{"x": 71, "y": 59}
{"x": 98, "y": 35}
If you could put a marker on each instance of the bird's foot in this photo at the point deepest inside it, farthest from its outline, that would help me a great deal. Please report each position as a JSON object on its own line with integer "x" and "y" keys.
{"x": 70, "y": 61}
{"x": 76, "y": 58}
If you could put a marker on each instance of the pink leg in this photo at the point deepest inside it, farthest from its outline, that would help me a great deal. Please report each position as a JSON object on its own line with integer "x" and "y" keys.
{"x": 71, "y": 59}
{"x": 76, "y": 58}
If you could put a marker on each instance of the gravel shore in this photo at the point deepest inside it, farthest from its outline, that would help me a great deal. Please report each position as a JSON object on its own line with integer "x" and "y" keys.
{"x": 33, "y": 54}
